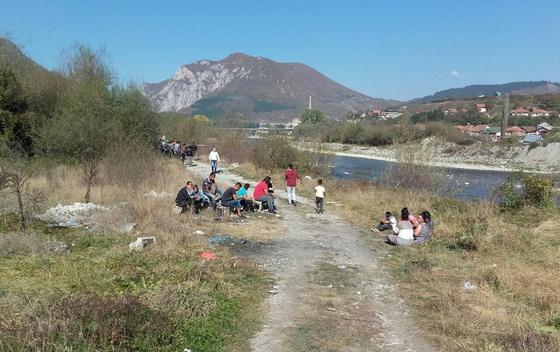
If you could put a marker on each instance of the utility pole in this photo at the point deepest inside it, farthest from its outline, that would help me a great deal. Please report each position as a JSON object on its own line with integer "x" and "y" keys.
{"x": 505, "y": 115}
{"x": 310, "y": 107}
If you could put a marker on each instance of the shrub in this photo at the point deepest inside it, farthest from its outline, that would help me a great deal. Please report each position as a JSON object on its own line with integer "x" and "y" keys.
{"x": 533, "y": 190}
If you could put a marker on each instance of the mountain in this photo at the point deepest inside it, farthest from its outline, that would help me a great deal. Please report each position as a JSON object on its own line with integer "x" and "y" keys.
{"x": 11, "y": 54}
{"x": 514, "y": 88}
{"x": 256, "y": 87}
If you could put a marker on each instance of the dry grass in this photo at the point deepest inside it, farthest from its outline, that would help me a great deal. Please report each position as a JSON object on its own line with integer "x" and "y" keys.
{"x": 512, "y": 259}
{"x": 102, "y": 296}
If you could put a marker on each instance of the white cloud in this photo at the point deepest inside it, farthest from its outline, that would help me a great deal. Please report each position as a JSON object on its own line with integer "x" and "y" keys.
{"x": 455, "y": 74}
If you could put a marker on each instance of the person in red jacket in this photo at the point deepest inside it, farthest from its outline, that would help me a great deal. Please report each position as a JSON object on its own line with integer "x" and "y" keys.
{"x": 291, "y": 177}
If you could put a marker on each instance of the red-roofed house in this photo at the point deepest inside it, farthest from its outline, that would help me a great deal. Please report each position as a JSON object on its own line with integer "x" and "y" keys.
{"x": 519, "y": 112}
{"x": 515, "y": 131}
{"x": 450, "y": 111}
{"x": 529, "y": 129}
{"x": 481, "y": 108}
{"x": 537, "y": 112}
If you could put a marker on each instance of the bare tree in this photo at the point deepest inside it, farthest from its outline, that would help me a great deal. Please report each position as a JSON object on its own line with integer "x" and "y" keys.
{"x": 90, "y": 169}
{"x": 15, "y": 182}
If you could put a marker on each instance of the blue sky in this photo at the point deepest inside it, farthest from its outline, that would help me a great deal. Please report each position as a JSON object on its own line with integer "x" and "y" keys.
{"x": 391, "y": 49}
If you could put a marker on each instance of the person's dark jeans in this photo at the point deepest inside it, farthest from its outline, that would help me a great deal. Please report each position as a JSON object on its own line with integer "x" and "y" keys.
{"x": 214, "y": 165}
{"x": 234, "y": 203}
{"x": 248, "y": 205}
{"x": 319, "y": 204}
{"x": 383, "y": 226}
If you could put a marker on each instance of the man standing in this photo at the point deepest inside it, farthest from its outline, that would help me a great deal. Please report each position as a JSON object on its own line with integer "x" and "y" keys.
{"x": 214, "y": 157}
{"x": 291, "y": 177}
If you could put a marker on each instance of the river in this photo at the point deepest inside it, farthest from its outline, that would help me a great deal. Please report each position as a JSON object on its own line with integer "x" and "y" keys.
{"x": 461, "y": 184}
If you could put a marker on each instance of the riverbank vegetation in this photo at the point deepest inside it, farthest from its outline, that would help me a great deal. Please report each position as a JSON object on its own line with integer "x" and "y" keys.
{"x": 487, "y": 279}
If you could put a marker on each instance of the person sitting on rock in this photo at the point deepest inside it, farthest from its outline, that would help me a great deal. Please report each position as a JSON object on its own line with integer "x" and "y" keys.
{"x": 230, "y": 199}
{"x": 211, "y": 190}
{"x": 183, "y": 199}
{"x": 246, "y": 200}
{"x": 261, "y": 193}
{"x": 388, "y": 223}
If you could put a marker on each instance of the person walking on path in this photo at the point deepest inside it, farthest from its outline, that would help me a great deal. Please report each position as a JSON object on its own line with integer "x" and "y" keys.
{"x": 214, "y": 157}
{"x": 291, "y": 177}
{"x": 319, "y": 196}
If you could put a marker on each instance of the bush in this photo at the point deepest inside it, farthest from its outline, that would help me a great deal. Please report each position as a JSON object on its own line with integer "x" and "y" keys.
{"x": 532, "y": 190}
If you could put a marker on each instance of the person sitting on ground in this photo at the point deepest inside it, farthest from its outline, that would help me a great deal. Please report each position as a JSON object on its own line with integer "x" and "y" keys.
{"x": 183, "y": 199}
{"x": 427, "y": 226}
{"x": 405, "y": 234}
{"x": 199, "y": 200}
{"x": 388, "y": 223}
{"x": 200, "y": 197}
{"x": 262, "y": 194}
{"x": 246, "y": 200}
{"x": 319, "y": 196}
{"x": 211, "y": 190}
{"x": 230, "y": 200}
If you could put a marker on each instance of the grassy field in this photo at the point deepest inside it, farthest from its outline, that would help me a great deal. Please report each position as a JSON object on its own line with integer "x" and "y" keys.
{"x": 101, "y": 296}
{"x": 508, "y": 261}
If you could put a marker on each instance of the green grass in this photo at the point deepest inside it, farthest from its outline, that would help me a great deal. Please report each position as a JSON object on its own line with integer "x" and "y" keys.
{"x": 100, "y": 296}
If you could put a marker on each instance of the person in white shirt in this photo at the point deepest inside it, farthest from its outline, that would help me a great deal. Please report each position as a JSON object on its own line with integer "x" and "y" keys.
{"x": 319, "y": 196}
{"x": 404, "y": 236}
{"x": 388, "y": 223}
{"x": 214, "y": 157}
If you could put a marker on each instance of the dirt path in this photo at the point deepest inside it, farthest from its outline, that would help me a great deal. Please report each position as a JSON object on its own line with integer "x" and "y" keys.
{"x": 333, "y": 294}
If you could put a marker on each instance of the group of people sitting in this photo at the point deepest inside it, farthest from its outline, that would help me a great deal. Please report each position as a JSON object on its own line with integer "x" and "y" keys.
{"x": 236, "y": 198}
{"x": 408, "y": 230}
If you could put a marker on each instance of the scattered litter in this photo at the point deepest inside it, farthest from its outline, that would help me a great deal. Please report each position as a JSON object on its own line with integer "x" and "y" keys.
{"x": 187, "y": 350}
{"x": 307, "y": 177}
{"x": 226, "y": 239}
{"x": 331, "y": 309}
{"x": 177, "y": 210}
{"x": 58, "y": 247}
{"x": 142, "y": 242}
{"x": 154, "y": 194}
{"x": 358, "y": 293}
{"x": 330, "y": 286}
{"x": 273, "y": 292}
{"x": 346, "y": 173}
{"x": 467, "y": 285}
{"x": 69, "y": 215}
{"x": 208, "y": 255}
{"x": 128, "y": 227}
{"x": 198, "y": 232}
{"x": 342, "y": 267}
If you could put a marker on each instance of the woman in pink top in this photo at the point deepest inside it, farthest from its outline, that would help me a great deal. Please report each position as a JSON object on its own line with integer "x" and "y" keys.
{"x": 261, "y": 194}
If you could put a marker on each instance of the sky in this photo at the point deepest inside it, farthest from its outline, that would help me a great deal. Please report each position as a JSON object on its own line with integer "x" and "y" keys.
{"x": 395, "y": 49}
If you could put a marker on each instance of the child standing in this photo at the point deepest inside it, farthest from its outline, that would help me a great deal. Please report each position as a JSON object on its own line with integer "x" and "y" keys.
{"x": 319, "y": 196}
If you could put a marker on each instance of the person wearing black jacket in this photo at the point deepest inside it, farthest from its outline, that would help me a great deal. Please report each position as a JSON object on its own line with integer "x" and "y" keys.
{"x": 183, "y": 199}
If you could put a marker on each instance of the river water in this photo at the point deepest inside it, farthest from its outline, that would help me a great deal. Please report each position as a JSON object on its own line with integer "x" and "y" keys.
{"x": 461, "y": 184}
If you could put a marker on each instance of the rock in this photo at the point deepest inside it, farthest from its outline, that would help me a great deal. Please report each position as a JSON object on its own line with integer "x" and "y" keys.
{"x": 69, "y": 215}
{"x": 468, "y": 286}
{"x": 154, "y": 194}
{"x": 128, "y": 227}
{"x": 142, "y": 242}
{"x": 58, "y": 247}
